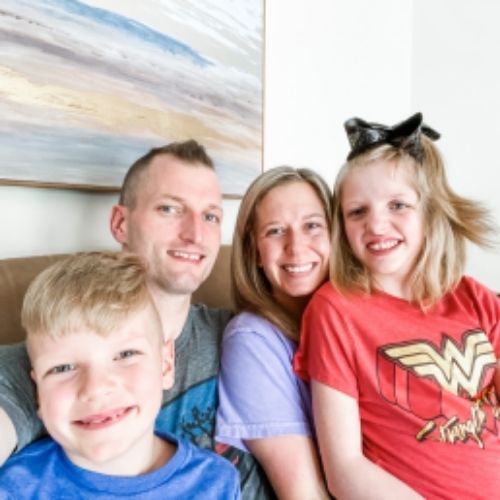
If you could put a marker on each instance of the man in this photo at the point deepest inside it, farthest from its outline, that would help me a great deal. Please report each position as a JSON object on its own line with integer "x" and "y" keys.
{"x": 169, "y": 213}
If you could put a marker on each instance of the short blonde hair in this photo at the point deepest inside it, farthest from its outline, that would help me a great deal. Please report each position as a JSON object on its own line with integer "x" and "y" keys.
{"x": 96, "y": 291}
{"x": 250, "y": 287}
{"x": 449, "y": 221}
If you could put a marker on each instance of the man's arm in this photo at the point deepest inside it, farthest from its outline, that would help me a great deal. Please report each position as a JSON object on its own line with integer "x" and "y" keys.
{"x": 19, "y": 423}
{"x": 349, "y": 473}
{"x": 9, "y": 437}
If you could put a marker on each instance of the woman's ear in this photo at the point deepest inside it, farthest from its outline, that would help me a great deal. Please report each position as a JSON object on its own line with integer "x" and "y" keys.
{"x": 168, "y": 364}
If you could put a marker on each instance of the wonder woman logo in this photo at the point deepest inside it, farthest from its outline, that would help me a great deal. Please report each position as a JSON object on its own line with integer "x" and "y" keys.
{"x": 407, "y": 369}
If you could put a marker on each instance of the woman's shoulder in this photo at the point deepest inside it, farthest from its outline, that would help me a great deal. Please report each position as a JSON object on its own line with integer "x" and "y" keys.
{"x": 249, "y": 321}
{"x": 253, "y": 327}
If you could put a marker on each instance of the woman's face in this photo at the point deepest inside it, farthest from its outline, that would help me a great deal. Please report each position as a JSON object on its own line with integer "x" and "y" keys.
{"x": 293, "y": 241}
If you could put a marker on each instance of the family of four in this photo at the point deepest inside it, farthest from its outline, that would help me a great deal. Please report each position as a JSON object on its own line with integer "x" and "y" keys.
{"x": 359, "y": 361}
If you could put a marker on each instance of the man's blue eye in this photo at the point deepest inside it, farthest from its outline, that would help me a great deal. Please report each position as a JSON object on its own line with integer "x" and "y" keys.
{"x": 212, "y": 218}
{"x": 169, "y": 209}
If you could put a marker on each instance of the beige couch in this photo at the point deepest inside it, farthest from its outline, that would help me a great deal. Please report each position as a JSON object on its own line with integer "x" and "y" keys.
{"x": 16, "y": 274}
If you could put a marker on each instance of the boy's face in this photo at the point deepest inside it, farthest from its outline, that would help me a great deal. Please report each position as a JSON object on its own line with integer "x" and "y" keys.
{"x": 99, "y": 395}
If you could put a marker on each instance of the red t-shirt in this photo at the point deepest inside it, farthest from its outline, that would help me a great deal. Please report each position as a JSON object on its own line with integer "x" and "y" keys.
{"x": 423, "y": 382}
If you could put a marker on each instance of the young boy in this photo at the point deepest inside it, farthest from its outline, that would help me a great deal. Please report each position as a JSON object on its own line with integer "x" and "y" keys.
{"x": 100, "y": 364}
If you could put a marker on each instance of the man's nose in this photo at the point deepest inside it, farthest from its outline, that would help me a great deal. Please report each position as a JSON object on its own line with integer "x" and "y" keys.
{"x": 191, "y": 228}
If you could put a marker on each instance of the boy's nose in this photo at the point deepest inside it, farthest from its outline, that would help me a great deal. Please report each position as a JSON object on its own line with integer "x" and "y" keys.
{"x": 95, "y": 384}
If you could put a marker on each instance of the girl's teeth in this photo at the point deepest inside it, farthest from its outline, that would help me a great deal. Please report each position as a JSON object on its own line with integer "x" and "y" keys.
{"x": 383, "y": 245}
{"x": 299, "y": 269}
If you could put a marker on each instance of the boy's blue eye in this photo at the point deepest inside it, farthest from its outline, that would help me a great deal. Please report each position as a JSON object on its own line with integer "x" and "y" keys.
{"x": 61, "y": 369}
{"x": 128, "y": 353}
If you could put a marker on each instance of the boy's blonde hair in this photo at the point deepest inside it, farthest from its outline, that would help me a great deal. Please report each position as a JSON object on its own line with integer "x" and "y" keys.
{"x": 95, "y": 291}
{"x": 250, "y": 287}
{"x": 449, "y": 221}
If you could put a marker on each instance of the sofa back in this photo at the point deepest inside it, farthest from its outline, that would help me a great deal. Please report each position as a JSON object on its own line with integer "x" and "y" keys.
{"x": 16, "y": 274}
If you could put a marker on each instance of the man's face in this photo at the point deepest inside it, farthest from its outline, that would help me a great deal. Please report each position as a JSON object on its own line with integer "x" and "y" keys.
{"x": 175, "y": 224}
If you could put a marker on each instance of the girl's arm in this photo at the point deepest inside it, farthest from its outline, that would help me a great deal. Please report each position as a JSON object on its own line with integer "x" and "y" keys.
{"x": 349, "y": 473}
{"x": 292, "y": 466}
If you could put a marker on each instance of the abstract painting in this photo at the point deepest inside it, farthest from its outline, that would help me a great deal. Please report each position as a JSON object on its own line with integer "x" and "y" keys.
{"x": 86, "y": 87}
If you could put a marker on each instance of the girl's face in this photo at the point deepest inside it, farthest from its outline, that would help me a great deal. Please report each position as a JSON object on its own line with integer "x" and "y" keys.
{"x": 293, "y": 241}
{"x": 383, "y": 222}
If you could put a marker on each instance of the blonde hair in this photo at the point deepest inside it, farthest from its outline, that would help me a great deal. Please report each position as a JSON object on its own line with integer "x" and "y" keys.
{"x": 96, "y": 290}
{"x": 449, "y": 221}
{"x": 250, "y": 287}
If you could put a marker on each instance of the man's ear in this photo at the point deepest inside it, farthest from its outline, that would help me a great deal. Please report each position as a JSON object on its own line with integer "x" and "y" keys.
{"x": 118, "y": 224}
{"x": 168, "y": 364}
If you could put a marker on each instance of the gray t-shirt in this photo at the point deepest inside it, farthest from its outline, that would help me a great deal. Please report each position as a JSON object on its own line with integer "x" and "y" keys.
{"x": 188, "y": 408}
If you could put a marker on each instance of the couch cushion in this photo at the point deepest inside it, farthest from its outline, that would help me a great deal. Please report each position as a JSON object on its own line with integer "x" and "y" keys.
{"x": 16, "y": 275}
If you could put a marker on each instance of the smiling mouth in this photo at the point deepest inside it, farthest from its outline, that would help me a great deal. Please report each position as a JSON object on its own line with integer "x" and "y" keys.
{"x": 188, "y": 256}
{"x": 383, "y": 245}
{"x": 104, "y": 419}
{"x": 298, "y": 269}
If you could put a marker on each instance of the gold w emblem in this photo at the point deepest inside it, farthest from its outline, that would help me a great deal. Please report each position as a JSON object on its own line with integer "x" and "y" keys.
{"x": 454, "y": 368}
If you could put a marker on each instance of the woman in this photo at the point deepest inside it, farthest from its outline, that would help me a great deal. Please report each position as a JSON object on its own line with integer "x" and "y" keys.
{"x": 280, "y": 257}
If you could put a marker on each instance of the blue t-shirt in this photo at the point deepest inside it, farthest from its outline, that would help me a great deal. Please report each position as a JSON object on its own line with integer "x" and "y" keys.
{"x": 43, "y": 471}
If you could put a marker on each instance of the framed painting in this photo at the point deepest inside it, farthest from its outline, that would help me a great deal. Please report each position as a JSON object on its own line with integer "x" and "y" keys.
{"x": 87, "y": 87}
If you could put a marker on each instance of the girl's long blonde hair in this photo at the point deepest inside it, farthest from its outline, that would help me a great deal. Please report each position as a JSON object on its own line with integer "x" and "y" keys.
{"x": 449, "y": 221}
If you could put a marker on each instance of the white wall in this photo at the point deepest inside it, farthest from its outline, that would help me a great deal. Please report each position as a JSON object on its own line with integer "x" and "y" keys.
{"x": 327, "y": 60}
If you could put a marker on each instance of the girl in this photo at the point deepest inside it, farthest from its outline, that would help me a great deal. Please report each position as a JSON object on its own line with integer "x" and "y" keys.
{"x": 281, "y": 248}
{"x": 402, "y": 348}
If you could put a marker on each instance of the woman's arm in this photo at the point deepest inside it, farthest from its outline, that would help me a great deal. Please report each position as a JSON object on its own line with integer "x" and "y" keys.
{"x": 292, "y": 466}
{"x": 348, "y": 472}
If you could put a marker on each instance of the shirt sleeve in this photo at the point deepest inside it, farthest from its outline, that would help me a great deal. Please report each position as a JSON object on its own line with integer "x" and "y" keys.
{"x": 327, "y": 346}
{"x": 259, "y": 395}
{"x": 487, "y": 305}
{"x": 17, "y": 394}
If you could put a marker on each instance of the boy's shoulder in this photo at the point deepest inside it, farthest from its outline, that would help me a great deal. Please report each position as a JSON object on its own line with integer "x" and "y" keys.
{"x": 199, "y": 464}
{"x": 23, "y": 470}
{"x": 191, "y": 472}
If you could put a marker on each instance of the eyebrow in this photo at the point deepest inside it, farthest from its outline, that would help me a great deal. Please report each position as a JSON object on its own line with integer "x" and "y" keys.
{"x": 178, "y": 199}
{"x": 313, "y": 215}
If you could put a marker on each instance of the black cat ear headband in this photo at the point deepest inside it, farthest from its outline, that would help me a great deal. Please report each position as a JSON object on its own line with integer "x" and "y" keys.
{"x": 406, "y": 135}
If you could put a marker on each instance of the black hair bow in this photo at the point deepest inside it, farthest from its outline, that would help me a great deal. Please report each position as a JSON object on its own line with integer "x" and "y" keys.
{"x": 366, "y": 135}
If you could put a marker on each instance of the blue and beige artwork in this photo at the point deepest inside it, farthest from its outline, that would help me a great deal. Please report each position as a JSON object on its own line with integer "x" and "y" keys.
{"x": 88, "y": 87}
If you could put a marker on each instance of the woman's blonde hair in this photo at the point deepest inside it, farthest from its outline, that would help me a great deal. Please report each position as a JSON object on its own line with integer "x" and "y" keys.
{"x": 449, "y": 221}
{"x": 250, "y": 288}
{"x": 96, "y": 291}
